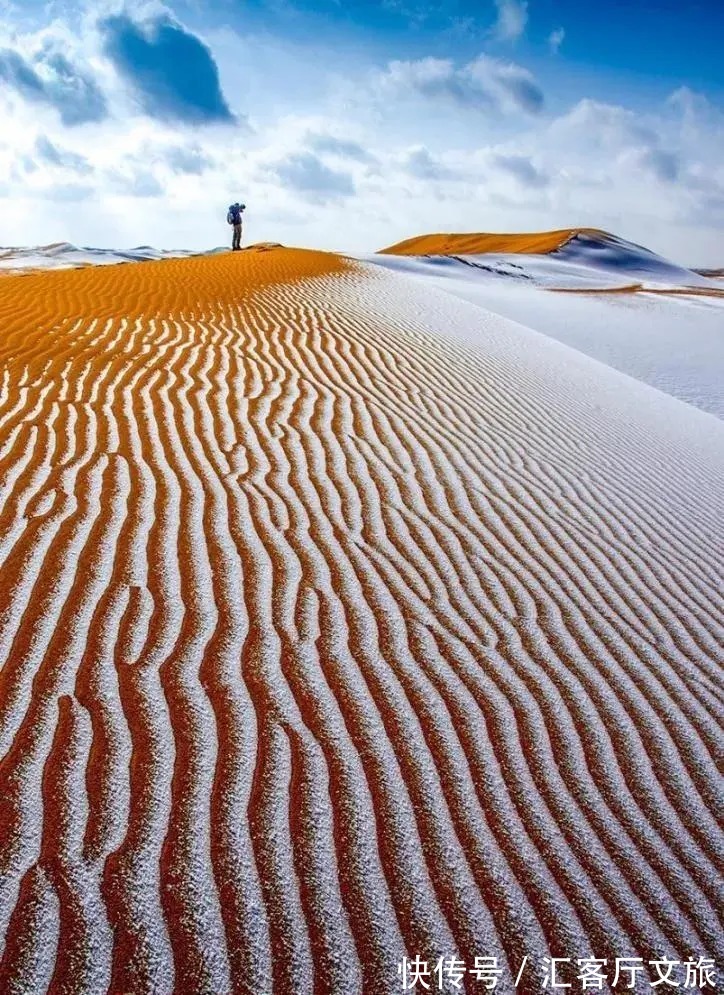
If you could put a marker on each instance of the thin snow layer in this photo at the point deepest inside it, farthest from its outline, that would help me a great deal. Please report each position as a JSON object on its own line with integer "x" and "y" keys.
{"x": 674, "y": 342}
{"x": 63, "y": 255}
{"x": 587, "y": 260}
{"x": 608, "y": 255}
{"x": 346, "y": 620}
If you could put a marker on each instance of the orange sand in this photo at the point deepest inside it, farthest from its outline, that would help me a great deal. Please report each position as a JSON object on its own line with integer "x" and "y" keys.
{"x": 166, "y": 284}
{"x": 475, "y": 244}
{"x": 323, "y": 640}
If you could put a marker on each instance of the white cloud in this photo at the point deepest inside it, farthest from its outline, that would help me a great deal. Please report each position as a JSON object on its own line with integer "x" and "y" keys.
{"x": 359, "y": 160}
{"x": 599, "y": 128}
{"x": 556, "y": 39}
{"x": 135, "y": 182}
{"x": 49, "y": 154}
{"x": 420, "y": 163}
{"x": 485, "y": 84}
{"x": 339, "y": 148}
{"x": 523, "y": 169}
{"x": 308, "y": 176}
{"x": 512, "y": 19}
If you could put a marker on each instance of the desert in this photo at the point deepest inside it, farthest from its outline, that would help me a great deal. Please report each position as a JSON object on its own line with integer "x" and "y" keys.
{"x": 361, "y": 497}
{"x": 345, "y": 620}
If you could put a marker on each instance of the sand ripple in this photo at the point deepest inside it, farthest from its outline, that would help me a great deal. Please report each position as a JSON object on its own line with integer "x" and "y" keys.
{"x": 325, "y": 639}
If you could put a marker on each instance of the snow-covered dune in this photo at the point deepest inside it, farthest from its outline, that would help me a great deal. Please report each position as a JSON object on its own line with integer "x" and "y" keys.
{"x": 591, "y": 254}
{"x": 574, "y": 259}
{"x": 64, "y": 255}
{"x": 343, "y": 620}
{"x": 623, "y": 305}
{"x": 474, "y": 243}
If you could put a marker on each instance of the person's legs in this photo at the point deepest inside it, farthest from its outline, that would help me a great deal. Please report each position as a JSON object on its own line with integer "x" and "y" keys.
{"x": 236, "y": 244}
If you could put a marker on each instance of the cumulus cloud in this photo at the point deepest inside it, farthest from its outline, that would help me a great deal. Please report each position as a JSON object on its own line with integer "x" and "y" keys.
{"x": 664, "y": 165}
{"x": 421, "y": 164}
{"x": 188, "y": 159}
{"x": 20, "y": 75}
{"x": 483, "y": 84}
{"x": 556, "y": 39}
{"x": 512, "y": 19}
{"x": 50, "y": 78}
{"x": 171, "y": 71}
{"x": 134, "y": 182}
{"x": 54, "y": 155}
{"x": 521, "y": 168}
{"x": 594, "y": 126}
{"x": 306, "y": 174}
{"x": 342, "y": 148}
{"x": 426, "y": 144}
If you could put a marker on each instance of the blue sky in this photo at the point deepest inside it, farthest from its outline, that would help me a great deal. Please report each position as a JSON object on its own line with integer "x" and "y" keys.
{"x": 670, "y": 42}
{"x": 349, "y": 125}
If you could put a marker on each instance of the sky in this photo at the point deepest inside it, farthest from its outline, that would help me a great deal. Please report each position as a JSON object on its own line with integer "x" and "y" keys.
{"x": 352, "y": 124}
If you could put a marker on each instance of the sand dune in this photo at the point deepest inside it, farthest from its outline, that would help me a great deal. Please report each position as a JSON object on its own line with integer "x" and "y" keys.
{"x": 616, "y": 301}
{"x": 475, "y": 243}
{"x": 578, "y": 258}
{"x": 326, "y": 637}
{"x": 64, "y": 255}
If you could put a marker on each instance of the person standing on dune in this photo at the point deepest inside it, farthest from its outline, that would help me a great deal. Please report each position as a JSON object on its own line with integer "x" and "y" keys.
{"x": 234, "y": 218}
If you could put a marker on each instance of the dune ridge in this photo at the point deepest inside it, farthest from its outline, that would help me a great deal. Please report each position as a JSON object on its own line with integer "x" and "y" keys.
{"x": 326, "y": 638}
{"x": 475, "y": 243}
{"x": 64, "y": 255}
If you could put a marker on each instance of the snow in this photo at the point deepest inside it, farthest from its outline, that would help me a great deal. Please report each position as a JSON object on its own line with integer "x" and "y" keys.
{"x": 435, "y": 614}
{"x": 63, "y": 255}
{"x": 674, "y": 342}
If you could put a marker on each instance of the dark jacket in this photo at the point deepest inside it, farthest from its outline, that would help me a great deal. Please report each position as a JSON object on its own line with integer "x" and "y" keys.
{"x": 234, "y": 215}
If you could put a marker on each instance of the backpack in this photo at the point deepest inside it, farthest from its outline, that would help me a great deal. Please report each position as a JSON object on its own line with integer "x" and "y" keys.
{"x": 234, "y": 215}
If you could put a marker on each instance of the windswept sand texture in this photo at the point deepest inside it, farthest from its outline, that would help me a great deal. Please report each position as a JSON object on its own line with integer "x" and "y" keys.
{"x": 325, "y": 637}
{"x": 622, "y": 304}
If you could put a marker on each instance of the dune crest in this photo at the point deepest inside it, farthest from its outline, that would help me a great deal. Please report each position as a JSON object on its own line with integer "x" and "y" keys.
{"x": 327, "y": 638}
{"x": 477, "y": 243}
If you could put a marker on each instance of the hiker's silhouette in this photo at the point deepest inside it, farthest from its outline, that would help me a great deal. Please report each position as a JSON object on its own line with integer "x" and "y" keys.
{"x": 234, "y": 218}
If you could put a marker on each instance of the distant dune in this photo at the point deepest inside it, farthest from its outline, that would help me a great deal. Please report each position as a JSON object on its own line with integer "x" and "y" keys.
{"x": 64, "y": 255}
{"x": 570, "y": 259}
{"x": 340, "y": 620}
{"x": 474, "y": 244}
{"x": 612, "y": 299}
